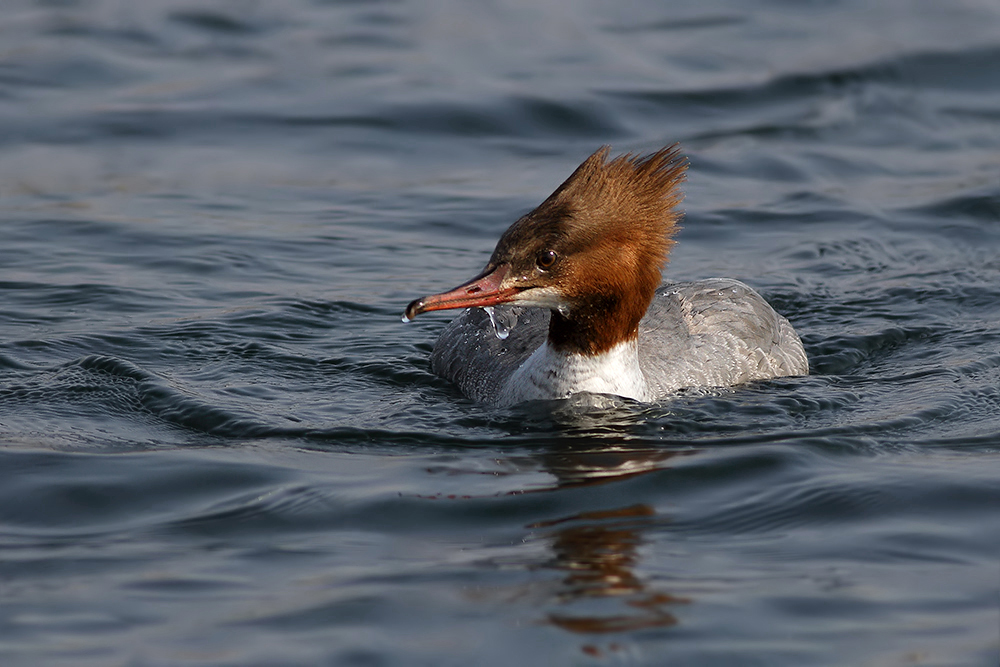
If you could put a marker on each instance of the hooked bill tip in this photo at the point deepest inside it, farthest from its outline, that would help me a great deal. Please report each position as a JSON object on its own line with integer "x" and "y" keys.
{"x": 412, "y": 310}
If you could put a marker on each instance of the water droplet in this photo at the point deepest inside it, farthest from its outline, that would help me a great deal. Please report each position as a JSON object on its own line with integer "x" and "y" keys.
{"x": 500, "y": 328}
{"x": 563, "y": 310}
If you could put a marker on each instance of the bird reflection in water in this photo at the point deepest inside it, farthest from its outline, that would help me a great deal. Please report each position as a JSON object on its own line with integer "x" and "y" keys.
{"x": 598, "y": 550}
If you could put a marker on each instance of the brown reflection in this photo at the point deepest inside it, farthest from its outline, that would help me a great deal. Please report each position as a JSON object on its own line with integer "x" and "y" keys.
{"x": 598, "y": 551}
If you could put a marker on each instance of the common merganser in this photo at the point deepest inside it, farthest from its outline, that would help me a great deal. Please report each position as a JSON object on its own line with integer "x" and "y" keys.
{"x": 582, "y": 273}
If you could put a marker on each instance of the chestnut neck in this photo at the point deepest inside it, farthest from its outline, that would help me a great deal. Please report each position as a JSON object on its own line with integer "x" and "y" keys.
{"x": 598, "y": 324}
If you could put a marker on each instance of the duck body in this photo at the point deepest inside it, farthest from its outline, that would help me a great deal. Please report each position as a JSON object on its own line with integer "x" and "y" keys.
{"x": 709, "y": 333}
{"x": 581, "y": 275}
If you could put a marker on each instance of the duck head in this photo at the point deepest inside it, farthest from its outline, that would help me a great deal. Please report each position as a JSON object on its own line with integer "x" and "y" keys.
{"x": 593, "y": 252}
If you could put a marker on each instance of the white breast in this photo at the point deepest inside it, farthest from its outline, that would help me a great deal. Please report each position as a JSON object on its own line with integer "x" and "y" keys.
{"x": 550, "y": 374}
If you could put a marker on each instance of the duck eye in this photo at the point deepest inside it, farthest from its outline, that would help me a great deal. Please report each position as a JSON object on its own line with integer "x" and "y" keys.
{"x": 546, "y": 259}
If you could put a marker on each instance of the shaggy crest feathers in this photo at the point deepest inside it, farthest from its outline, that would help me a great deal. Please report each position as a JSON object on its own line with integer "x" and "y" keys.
{"x": 631, "y": 192}
{"x": 630, "y": 198}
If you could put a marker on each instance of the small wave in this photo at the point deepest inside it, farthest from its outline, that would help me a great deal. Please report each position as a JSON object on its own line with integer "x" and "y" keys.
{"x": 981, "y": 206}
{"x": 99, "y": 388}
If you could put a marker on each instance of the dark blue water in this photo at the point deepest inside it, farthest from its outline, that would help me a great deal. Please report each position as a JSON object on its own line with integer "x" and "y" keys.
{"x": 220, "y": 446}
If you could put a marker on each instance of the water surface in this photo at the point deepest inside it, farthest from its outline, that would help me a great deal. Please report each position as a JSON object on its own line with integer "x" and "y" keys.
{"x": 220, "y": 446}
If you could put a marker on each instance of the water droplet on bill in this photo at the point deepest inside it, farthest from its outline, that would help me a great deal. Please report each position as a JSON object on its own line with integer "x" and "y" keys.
{"x": 497, "y": 318}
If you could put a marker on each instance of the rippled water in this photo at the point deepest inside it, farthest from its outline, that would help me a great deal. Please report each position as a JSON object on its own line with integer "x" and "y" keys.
{"x": 221, "y": 447}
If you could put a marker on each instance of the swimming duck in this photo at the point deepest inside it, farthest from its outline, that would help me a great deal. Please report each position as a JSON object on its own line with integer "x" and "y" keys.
{"x": 582, "y": 276}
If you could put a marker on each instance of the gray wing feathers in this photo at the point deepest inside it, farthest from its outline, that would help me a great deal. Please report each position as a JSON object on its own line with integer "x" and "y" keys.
{"x": 715, "y": 333}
